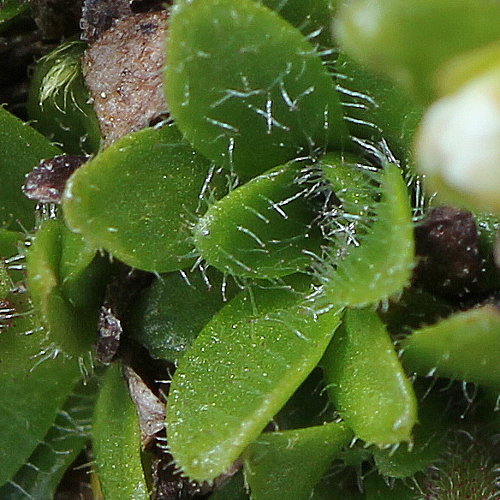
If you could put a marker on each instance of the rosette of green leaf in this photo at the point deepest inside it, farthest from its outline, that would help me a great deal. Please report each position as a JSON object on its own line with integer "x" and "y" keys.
{"x": 163, "y": 318}
{"x": 289, "y": 464}
{"x": 21, "y": 149}
{"x": 35, "y": 379}
{"x": 138, "y": 199}
{"x": 376, "y": 108}
{"x": 10, "y": 9}
{"x": 465, "y": 346}
{"x": 40, "y": 476}
{"x": 240, "y": 370}
{"x": 391, "y": 36}
{"x": 246, "y": 88}
{"x": 117, "y": 440}
{"x": 366, "y": 381}
{"x": 381, "y": 265}
{"x": 59, "y": 103}
{"x": 262, "y": 229}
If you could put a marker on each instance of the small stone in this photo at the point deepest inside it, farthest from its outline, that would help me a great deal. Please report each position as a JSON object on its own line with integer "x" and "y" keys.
{"x": 109, "y": 335}
{"x": 46, "y": 182}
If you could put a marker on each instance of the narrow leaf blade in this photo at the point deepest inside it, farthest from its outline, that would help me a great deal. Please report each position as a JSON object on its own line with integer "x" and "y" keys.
{"x": 239, "y": 372}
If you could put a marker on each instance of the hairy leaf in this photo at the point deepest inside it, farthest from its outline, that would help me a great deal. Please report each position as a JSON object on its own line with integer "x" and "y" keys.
{"x": 117, "y": 440}
{"x": 381, "y": 265}
{"x": 289, "y": 464}
{"x": 262, "y": 229}
{"x": 21, "y": 148}
{"x": 72, "y": 330}
{"x": 174, "y": 309}
{"x": 35, "y": 379}
{"x": 138, "y": 198}
{"x": 366, "y": 382}
{"x": 239, "y": 372}
{"x": 246, "y": 88}
{"x": 40, "y": 476}
{"x": 465, "y": 346}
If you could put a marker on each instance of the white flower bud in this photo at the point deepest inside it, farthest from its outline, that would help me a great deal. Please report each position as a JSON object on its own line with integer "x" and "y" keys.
{"x": 458, "y": 145}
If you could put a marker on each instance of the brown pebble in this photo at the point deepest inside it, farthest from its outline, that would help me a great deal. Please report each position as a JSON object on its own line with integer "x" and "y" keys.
{"x": 46, "y": 182}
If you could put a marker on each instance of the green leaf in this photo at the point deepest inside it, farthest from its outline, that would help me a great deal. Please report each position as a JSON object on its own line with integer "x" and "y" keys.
{"x": 262, "y": 229}
{"x": 9, "y": 9}
{"x": 232, "y": 489}
{"x": 351, "y": 181}
{"x": 378, "y": 489}
{"x": 170, "y": 314}
{"x": 246, "y": 88}
{"x": 427, "y": 443}
{"x": 21, "y": 149}
{"x": 465, "y": 346}
{"x": 378, "y": 109}
{"x": 35, "y": 380}
{"x": 382, "y": 264}
{"x": 308, "y": 406}
{"x": 409, "y": 40}
{"x": 289, "y": 464}
{"x": 311, "y": 17}
{"x": 138, "y": 198}
{"x": 59, "y": 101}
{"x": 239, "y": 372}
{"x": 40, "y": 476}
{"x": 117, "y": 440}
{"x": 366, "y": 382}
{"x": 72, "y": 331}
{"x": 81, "y": 272}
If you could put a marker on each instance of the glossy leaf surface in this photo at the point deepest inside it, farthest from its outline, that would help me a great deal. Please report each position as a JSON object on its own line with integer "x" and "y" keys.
{"x": 381, "y": 265}
{"x": 239, "y": 372}
{"x": 21, "y": 149}
{"x": 138, "y": 197}
{"x": 246, "y": 88}
{"x": 261, "y": 229}
{"x": 289, "y": 464}
{"x": 40, "y": 476}
{"x": 59, "y": 101}
{"x": 174, "y": 309}
{"x": 117, "y": 440}
{"x": 465, "y": 346}
{"x": 366, "y": 382}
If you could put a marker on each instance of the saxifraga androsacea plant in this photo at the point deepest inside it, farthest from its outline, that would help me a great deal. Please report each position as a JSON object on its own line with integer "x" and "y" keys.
{"x": 228, "y": 270}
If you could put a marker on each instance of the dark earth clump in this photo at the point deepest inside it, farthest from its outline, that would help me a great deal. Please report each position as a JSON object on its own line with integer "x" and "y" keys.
{"x": 447, "y": 242}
